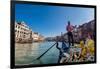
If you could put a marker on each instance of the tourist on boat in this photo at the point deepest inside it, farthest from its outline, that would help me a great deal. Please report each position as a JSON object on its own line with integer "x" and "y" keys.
{"x": 69, "y": 29}
{"x": 63, "y": 51}
{"x": 90, "y": 48}
{"x": 66, "y": 52}
{"x": 83, "y": 53}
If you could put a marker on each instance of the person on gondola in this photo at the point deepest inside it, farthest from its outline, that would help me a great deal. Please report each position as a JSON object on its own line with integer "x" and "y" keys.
{"x": 63, "y": 51}
{"x": 69, "y": 29}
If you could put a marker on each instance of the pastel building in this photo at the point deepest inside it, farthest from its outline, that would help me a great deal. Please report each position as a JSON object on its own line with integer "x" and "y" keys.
{"x": 35, "y": 36}
{"x": 22, "y": 32}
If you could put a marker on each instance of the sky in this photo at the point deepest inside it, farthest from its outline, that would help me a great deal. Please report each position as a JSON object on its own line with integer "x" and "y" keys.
{"x": 50, "y": 21}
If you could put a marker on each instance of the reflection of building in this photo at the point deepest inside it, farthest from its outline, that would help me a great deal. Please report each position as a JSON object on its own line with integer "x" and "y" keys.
{"x": 22, "y": 32}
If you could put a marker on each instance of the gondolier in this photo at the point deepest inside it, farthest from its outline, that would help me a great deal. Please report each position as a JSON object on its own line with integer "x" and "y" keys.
{"x": 69, "y": 29}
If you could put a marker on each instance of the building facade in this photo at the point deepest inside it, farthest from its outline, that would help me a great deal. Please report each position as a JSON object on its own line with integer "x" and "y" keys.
{"x": 22, "y": 32}
{"x": 37, "y": 37}
{"x": 85, "y": 29}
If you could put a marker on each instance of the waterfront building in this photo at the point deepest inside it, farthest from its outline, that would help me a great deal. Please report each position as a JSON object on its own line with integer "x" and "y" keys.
{"x": 35, "y": 36}
{"x": 84, "y": 29}
{"x": 22, "y": 32}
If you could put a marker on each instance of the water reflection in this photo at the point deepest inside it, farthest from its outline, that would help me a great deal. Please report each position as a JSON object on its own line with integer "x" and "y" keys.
{"x": 27, "y": 53}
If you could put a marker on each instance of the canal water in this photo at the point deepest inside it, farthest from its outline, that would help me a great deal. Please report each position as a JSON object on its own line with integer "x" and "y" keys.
{"x": 27, "y": 53}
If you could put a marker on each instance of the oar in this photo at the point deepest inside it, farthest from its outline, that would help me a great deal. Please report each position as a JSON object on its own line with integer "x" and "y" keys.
{"x": 45, "y": 52}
